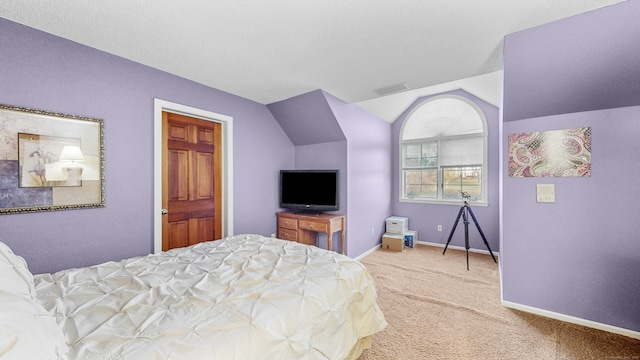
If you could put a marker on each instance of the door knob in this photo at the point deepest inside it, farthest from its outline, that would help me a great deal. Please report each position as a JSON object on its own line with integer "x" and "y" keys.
{"x": 164, "y": 211}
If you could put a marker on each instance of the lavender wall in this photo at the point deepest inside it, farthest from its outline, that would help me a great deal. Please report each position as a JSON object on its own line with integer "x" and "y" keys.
{"x": 579, "y": 256}
{"x": 331, "y": 134}
{"x": 42, "y": 71}
{"x": 307, "y": 119}
{"x": 425, "y": 217}
{"x": 327, "y": 156}
{"x": 319, "y": 141}
{"x": 576, "y": 64}
{"x": 368, "y": 174}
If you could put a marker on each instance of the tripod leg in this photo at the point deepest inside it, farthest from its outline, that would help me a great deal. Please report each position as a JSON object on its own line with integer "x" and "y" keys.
{"x": 453, "y": 229}
{"x": 466, "y": 234}
{"x": 467, "y": 260}
{"x": 482, "y": 234}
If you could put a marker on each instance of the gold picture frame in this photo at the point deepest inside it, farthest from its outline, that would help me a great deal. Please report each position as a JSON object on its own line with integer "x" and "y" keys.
{"x": 49, "y": 161}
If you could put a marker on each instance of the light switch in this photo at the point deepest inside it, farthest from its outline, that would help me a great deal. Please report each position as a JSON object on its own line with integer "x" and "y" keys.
{"x": 546, "y": 193}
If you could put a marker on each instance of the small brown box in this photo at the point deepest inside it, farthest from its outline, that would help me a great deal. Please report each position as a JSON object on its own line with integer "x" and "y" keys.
{"x": 393, "y": 242}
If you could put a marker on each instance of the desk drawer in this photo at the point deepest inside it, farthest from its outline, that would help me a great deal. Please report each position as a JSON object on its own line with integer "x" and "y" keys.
{"x": 288, "y": 223}
{"x": 313, "y": 225}
{"x": 287, "y": 234}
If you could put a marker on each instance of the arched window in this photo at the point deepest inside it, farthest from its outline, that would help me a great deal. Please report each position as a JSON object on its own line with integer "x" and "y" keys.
{"x": 443, "y": 145}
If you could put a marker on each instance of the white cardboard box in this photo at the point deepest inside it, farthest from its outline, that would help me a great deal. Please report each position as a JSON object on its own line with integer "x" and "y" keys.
{"x": 393, "y": 242}
{"x": 410, "y": 238}
{"x": 397, "y": 225}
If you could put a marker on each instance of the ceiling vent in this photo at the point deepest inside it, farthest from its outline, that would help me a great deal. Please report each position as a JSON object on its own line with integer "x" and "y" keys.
{"x": 391, "y": 89}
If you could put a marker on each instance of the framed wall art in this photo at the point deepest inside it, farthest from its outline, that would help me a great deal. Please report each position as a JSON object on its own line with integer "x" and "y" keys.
{"x": 49, "y": 161}
{"x": 554, "y": 153}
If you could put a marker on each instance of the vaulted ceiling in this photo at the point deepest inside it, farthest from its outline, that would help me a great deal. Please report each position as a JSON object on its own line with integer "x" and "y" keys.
{"x": 272, "y": 50}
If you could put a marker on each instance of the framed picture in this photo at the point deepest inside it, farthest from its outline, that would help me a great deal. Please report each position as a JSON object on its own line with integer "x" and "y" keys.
{"x": 49, "y": 161}
{"x": 552, "y": 153}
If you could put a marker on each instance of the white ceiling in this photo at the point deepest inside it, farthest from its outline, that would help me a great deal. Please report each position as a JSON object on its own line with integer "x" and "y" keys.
{"x": 270, "y": 50}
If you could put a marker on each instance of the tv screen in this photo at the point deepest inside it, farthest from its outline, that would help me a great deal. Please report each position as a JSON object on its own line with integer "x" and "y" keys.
{"x": 312, "y": 191}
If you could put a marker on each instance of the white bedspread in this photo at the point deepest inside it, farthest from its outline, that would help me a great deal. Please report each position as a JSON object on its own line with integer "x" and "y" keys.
{"x": 244, "y": 297}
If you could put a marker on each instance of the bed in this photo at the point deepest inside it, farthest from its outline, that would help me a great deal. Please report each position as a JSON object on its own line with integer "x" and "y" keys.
{"x": 242, "y": 297}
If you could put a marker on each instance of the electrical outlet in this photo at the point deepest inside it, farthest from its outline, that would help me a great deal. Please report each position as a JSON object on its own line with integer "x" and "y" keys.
{"x": 439, "y": 227}
{"x": 373, "y": 231}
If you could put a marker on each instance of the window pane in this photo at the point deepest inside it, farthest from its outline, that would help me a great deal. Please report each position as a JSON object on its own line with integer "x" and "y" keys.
{"x": 430, "y": 154}
{"x": 462, "y": 152}
{"x": 420, "y": 155}
{"x": 464, "y": 178}
{"x": 421, "y": 183}
{"x": 412, "y": 154}
{"x": 442, "y": 117}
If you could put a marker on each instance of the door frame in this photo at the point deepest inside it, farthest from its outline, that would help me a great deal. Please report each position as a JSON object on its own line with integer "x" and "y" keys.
{"x": 226, "y": 121}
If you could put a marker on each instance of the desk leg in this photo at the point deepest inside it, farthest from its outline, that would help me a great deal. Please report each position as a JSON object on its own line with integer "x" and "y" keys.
{"x": 329, "y": 241}
{"x": 342, "y": 237}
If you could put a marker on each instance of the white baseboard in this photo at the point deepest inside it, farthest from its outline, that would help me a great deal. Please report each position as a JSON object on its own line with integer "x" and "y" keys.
{"x": 550, "y": 314}
{"x": 486, "y": 252}
{"x": 571, "y": 319}
{"x": 368, "y": 252}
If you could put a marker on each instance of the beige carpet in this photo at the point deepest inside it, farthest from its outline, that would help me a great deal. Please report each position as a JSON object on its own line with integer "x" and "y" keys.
{"x": 436, "y": 309}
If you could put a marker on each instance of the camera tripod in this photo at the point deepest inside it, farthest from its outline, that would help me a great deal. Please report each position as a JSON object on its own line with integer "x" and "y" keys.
{"x": 465, "y": 211}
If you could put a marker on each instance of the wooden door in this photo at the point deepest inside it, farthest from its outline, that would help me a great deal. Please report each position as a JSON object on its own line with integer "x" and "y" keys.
{"x": 192, "y": 180}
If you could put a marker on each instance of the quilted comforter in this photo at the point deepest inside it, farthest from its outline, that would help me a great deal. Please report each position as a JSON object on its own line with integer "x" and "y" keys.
{"x": 243, "y": 297}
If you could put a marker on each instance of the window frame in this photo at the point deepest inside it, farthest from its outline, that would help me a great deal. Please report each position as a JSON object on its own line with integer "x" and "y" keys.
{"x": 440, "y": 168}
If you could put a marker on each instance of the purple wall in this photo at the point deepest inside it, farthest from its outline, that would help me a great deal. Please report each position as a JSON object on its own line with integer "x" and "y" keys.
{"x": 425, "y": 217}
{"x": 579, "y": 256}
{"x": 576, "y": 64}
{"x": 331, "y": 134}
{"x": 368, "y": 174}
{"x": 42, "y": 71}
{"x": 319, "y": 141}
{"x": 327, "y": 156}
{"x": 307, "y": 119}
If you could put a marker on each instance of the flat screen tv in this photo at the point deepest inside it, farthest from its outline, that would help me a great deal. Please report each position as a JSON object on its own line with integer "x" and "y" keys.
{"x": 311, "y": 191}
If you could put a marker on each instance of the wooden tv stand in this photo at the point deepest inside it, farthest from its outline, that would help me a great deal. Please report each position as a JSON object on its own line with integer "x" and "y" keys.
{"x": 303, "y": 228}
